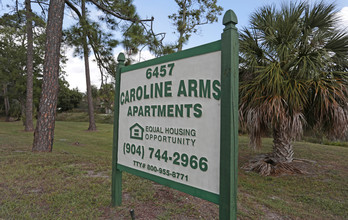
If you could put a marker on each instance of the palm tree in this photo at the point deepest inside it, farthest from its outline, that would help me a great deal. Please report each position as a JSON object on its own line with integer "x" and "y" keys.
{"x": 294, "y": 63}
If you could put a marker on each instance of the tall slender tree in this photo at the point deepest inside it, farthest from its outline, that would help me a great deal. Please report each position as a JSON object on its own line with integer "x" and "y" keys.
{"x": 12, "y": 61}
{"x": 44, "y": 131}
{"x": 92, "y": 126}
{"x": 11, "y": 49}
{"x": 293, "y": 73}
{"x": 13, "y": 42}
{"x": 30, "y": 69}
{"x": 89, "y": 33}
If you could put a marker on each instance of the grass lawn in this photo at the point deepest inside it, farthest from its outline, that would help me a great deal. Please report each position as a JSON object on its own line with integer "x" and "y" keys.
{"x": 73, "y": 182}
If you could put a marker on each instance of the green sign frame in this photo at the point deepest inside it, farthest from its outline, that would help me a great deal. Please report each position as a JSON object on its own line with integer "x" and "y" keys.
{"x": 227, "y": 198}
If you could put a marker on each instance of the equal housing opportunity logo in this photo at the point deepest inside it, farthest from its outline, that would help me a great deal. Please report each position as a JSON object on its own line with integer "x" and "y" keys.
{"x": 180, "y": 136}
{"x": 136, "y": 132}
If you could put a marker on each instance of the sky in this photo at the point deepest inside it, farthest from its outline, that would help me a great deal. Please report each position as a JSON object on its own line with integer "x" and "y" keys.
{"x": 160, "y": 9}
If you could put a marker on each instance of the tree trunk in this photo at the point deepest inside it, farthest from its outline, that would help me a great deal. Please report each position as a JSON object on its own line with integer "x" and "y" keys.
{"x": 282, "y": 144}
{"x": 44, "y": 131}
{"x": 7, "y": 103}
{"x": 279, "y": 161}
{"x": 181, "y": 40}
{"x": 182, "y": 28}
{"x": 92, "y": 126}
{"x": 22, "y": 101}
{"x": 29, "y": 100}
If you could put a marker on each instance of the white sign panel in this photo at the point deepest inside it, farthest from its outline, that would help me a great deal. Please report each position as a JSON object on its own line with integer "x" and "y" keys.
{"x": 169, "y": 121}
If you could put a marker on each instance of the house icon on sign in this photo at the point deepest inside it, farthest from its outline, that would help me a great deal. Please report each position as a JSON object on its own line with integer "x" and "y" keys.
{"x": 136, "y": 132}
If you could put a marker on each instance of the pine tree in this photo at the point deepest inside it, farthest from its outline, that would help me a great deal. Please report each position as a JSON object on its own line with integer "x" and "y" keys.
{"x": 30, "y": 72}
{"x": 44, "y": 131}
{"x": 191, "y": 14}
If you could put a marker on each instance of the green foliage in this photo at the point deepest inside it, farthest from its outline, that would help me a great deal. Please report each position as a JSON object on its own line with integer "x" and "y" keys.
{"x": 134, "y": 37}
{"x": 191, "y": 14}
{"x": 67, "y": 99}
{"x": 136, "y": 33}
{"x": 294, "y": 69}
{"x": 94, "y": 91}
{"x": 102, "y": 44}
{"x": 103, "y": 98}
{"x": 107, "y": 96}
{"x": 117, "y": 16}
{"x": 13, "y": 58}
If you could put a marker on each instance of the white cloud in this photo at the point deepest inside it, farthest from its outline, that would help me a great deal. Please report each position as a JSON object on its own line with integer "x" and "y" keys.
{"x": 343, "y": 14}
{"x": 75, "y": 71}
{"x": 143, "y": 56}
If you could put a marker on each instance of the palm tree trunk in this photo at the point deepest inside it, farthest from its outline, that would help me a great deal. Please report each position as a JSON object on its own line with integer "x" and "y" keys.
{"x": 282, "y": 144}
{"x": 255, "y": 141}
{"x": 29, "y": 100}
{"x": 279, "y": 161}
{"x": 44, "y": 131}
{"x": 92, "y": 126}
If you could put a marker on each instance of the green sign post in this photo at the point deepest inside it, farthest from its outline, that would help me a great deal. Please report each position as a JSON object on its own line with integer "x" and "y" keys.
{"x": 176, "y": 121}
{"x": 229, "y": 118}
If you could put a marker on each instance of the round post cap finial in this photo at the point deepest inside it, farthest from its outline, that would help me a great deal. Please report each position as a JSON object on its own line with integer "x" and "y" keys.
{"x": 121, "y": 58}
{"x": 229, "y": 17}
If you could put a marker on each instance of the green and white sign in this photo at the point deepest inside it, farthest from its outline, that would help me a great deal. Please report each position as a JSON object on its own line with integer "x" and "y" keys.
{"x": 170, "y": 120}
{"x": 175, "y": 120}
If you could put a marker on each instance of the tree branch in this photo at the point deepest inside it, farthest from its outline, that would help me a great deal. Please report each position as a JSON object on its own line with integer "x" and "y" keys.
{"x": 96, "y": 54}
{"x": 72, "y": 6}
{"x": 40, "y": 4}
{"x": 118, "y": 15}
